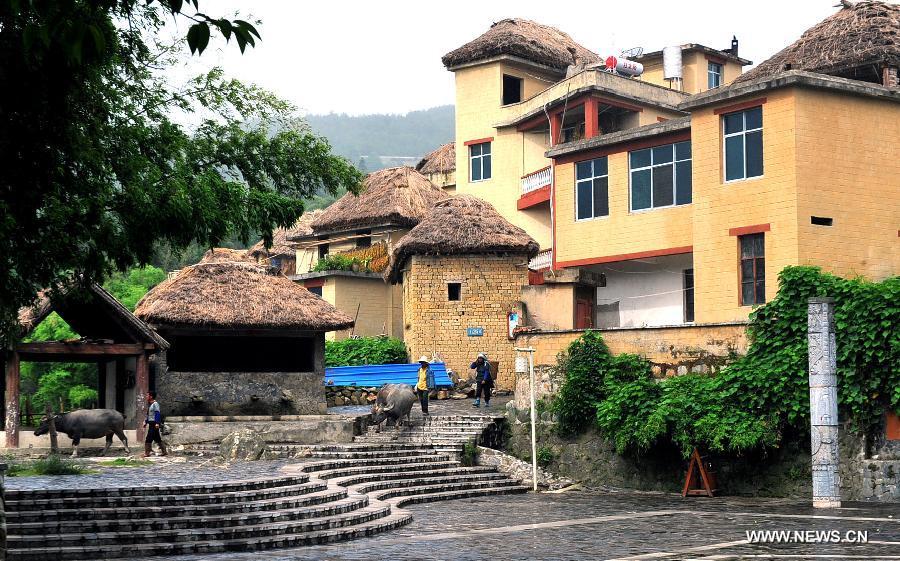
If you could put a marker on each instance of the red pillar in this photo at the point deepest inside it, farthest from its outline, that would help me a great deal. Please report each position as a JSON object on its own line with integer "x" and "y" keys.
{"x": 555, "y": 126}
{"x": 591, "y": 118}
{"x": 141, "y": 387}
{"x": 12, "y": 400}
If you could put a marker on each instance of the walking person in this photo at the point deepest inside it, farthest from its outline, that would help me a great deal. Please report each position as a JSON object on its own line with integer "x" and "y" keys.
{"x": 153, "y": 422}
{"x": 425, "y": 383}
{"x": 484, "y": 382}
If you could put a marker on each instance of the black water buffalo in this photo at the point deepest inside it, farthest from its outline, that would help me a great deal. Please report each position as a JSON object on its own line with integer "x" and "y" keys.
{"x": 87, "y": 423}
{"x": 394, "y": 401}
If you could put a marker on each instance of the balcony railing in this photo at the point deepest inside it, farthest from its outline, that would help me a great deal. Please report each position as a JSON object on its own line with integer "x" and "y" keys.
{"x": 536, "y": 179}
{"x": 541, "y": 261}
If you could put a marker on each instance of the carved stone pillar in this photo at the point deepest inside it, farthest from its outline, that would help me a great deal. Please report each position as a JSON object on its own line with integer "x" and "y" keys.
{"x": 823, "y": 403}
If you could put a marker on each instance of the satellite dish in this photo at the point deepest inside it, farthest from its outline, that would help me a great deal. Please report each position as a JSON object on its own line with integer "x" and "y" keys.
{"x": 633, "y": 52}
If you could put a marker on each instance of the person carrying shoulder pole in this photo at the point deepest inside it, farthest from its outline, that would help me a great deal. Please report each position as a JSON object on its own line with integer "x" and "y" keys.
{"x": 153, "y": 422}
{"x": 425, "y": 383}
{"x": 483, "y": 380}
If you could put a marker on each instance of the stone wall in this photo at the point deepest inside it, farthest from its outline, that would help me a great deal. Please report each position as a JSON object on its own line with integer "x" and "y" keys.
{"x": 673, "y": 350}
{"x": 305, "y": 429}
{"x": 785, "y": 472}
{"x": 2, "y": 516}
{"x": 490, "y": 286}
{"x": 241, "y": 393}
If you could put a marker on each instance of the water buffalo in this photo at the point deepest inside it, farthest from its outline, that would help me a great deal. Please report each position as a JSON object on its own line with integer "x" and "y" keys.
{"x": 87, "y": 423}
{"x": 394, "y": 401}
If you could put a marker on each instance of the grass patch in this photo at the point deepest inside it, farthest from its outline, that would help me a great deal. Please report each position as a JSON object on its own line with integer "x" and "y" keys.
{"x": 51, "y": 465}
{"x": 126, "y": 463}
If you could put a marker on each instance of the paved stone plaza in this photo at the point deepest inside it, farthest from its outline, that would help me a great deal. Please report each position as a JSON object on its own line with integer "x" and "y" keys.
{"x": 580, "y": 526}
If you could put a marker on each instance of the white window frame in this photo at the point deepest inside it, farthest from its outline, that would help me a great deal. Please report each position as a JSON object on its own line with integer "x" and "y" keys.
{"x": 714, "y": 69}
{"x": 743, "y": 132}
{"x": 674, "y": 162}
{"x": 591, "y": 180}
{"x": 480, "y": 162}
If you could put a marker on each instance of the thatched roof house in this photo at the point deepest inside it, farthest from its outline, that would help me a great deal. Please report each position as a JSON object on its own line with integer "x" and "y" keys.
{"x": 282, "y": 236}
{"x": 525, "y": 39}
{"x": 237, "y": 296}
{"x": 440, "y": 160}
{"x": 399, "y": 196}
{"x": 460, "y": 225}
{"x": 225, "y": 255}
{"x": 856, "y": 42}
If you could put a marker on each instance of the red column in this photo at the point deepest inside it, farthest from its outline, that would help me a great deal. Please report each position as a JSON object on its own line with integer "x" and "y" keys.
{"x": 591, "y": 118}
{"x": 555, "y": 126}
{"x": 141, "y": 387}
{"x": 12, "y": 400}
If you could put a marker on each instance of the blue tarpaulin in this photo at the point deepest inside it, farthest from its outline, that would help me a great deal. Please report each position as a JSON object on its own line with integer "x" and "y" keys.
{"x": 375, "y": 375}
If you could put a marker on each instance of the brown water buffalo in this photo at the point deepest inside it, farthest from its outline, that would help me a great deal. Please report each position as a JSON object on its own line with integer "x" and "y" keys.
{"x": 87, "y": 423}
{"x": 394, "y": 401}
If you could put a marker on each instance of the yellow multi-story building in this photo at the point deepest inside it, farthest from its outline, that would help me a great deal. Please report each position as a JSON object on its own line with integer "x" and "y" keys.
{"x": 678, "y": 195}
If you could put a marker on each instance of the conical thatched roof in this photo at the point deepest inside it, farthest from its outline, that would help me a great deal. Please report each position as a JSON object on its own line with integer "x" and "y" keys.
{"x": 441, "y": 160}
{"x": 398, "y": 196}
{"x": 462, "y": 224}
{"x": 237, "y": 296}
{"x": 225, "y": 255}
{"x": 282, "y": 236}
{"x": 526, "y": 39}
{"x": 867, "y": 33}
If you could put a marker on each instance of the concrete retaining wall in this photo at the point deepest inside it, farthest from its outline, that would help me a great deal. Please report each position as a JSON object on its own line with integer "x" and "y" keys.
{"x": 312, "y": 429}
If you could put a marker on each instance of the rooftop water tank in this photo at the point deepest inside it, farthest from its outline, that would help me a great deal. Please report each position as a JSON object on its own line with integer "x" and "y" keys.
{"x": 672, "y": 63}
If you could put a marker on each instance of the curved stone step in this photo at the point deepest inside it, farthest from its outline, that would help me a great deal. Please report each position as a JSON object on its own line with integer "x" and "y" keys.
{"x": 457, "y": 494}
{"x": 216, "y": 487}
{"x": 359, "y": 446}
{"x": 91, "y": 502}
{"x": 351, "y": 469}
{"x": 201, "y": 533}
{"x": 353, "y": 454}
{"x": 150, "y": 512}
{"x": 444, "y": 472}
{"x": 194, "y": 520}
{"x": 391, "y": 493}
{"x": 144, "y": 550}
{"x": 339, "y": 463}
{"x": 436, "y": 481}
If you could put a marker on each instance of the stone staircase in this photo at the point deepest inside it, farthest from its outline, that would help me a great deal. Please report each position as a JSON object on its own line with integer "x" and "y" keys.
{"x": 333, "y": 492}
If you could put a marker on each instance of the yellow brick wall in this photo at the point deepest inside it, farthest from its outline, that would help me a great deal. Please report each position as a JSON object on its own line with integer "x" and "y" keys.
{"x": 370, "y": 297}
{"x": 490, "y": 289}
{"x": 848, "y": 169}
{"x": 694, "y": 72}
{"x": 667, "y": 345}
{"x": 622, "y": 231}
{"x": 513, "y": 154}
{"x": 719, "y": 206}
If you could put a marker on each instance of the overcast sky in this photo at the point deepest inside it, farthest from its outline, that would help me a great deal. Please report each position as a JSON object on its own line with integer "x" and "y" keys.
{"x": 385, "y": 57}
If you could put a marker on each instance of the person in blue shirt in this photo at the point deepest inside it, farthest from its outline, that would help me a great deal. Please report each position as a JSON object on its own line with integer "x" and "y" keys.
{"x": 153, "y": 422}
{"x": 484, "y": 382}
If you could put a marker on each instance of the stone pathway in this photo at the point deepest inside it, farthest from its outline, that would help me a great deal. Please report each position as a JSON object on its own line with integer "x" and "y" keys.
{"x": 618, "y": 526}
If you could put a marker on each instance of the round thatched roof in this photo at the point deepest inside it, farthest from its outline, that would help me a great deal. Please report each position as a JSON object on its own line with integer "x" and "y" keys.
{"x": 866, "y": 33}
{"x": 224, "y": 255}
{"x": 394, "y": 196}
{"x": 441, "y": 160}
{"x": 237, "y": 296}
{"x": 282, "y": 236}
{"x": 462, "y": 224}
{"x": 526, "y": 39}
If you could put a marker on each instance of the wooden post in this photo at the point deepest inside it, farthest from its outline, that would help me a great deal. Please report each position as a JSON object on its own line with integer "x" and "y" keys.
{"x": 141, "y": 387}
{"x": 54, "y": 443}
{"x": 591, "y": 118}
{"x": 12, "y": 400}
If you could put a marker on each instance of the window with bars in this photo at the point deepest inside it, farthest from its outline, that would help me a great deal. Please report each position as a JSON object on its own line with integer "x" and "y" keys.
{"x": 661, "y": 176}
{"x": 714, "y": 75}
{"x": 480, "y": 161}
{"x": 753, "y": 269}
{"x": 743, "y": 144}
{"x": 591, "y": 189}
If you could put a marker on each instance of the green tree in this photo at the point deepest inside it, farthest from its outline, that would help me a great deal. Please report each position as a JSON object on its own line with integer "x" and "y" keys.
{"x": 97, "y": 166}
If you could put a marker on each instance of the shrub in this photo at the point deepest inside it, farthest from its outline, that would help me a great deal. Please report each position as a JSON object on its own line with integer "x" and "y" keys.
{"x": 335, "y": 263}
{"x": 545, "y": 456}
{"x": 753, "y": 402}
{"x": 51, "y": 465}
{"x": 365, "y": 350}
{"x": 469, "y": 455}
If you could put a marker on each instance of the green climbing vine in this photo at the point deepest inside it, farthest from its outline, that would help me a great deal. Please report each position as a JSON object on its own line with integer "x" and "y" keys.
{"x": 755, "y": 401}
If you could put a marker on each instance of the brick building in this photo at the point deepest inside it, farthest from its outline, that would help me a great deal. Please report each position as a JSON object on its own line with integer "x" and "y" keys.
{"x": 462, "y": 270}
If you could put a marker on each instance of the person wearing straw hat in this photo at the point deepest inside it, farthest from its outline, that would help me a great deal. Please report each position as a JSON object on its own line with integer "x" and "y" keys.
{"x": 425, "y": 383}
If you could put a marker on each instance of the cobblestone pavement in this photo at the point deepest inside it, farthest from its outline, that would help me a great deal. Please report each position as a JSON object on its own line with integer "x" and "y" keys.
{"x": 163, "y": 471}
{"x": 609, "y": 526}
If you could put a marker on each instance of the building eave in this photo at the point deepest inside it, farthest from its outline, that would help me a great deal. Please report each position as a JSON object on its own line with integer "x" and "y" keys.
{"x": 510, "y": 59}
{"x": 696, "y": 47}
{"x": 671, "y": 126}
{"x": 791, "y": 78}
